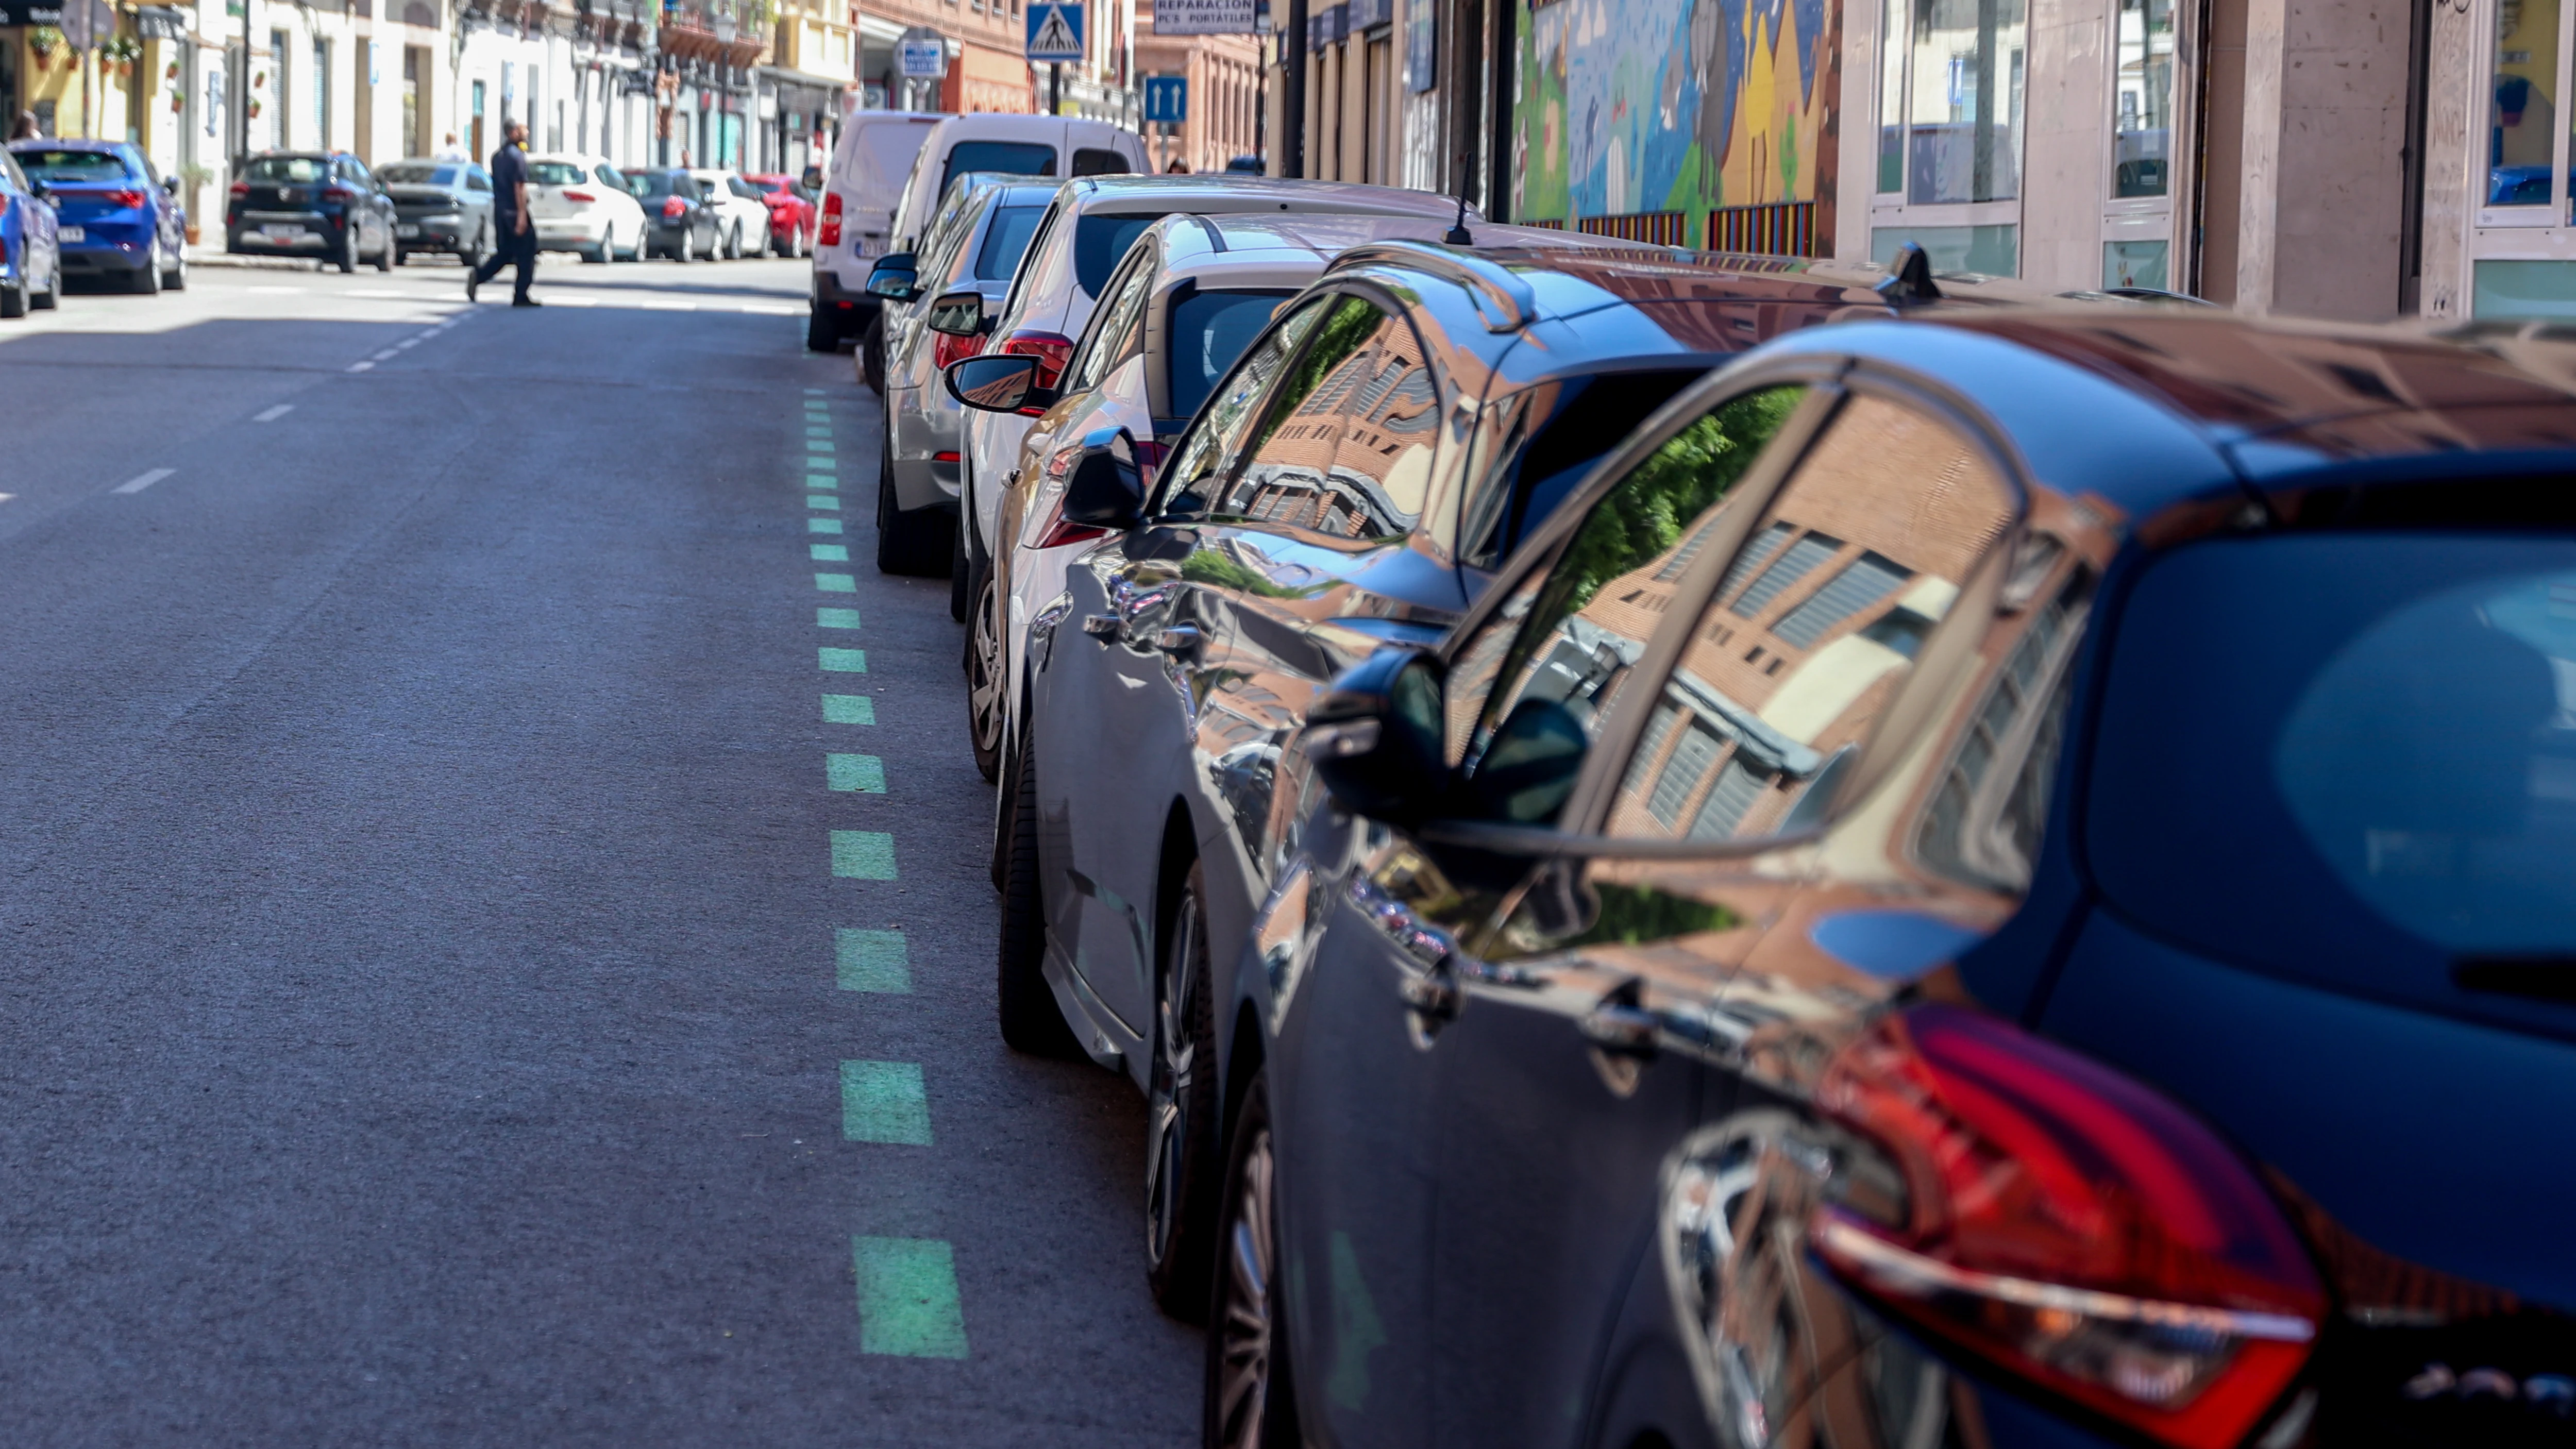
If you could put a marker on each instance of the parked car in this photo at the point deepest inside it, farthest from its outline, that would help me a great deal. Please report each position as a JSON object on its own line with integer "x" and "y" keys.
{"x": 1078, "y": 244}
{"x": 1021, "y": 145}
{"x": 742, "y": 214}
{"x": 1192, "y": 293}
{"x": 1918, "y": 909}
{"x": 1372, "y": 459}
{"x": 580, "y": 204}
{"x": 682, "y": 222}
{"x": 864, "y": 186}
{"x": 973, "y": 247}
{"x": 439, "y": 206}
{"x": 119, "y": 221}
{"x": 791, "y": 214}
{"x": 318, "y": 203}
{"x": 31, "y": 260}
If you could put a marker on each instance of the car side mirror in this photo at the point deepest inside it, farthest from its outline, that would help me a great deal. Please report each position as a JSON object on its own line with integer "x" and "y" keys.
{"x": 1374, "y": 737}
{"x": 1106, "y": 489}
{"x": 39, "y": 190}
{"x": 894, "y": 278}
{"x": 1529, "y": 766}
{"x": 170, "y": 184}
{"x": 1003, "y": 383}
{"x": 958, "y": 314}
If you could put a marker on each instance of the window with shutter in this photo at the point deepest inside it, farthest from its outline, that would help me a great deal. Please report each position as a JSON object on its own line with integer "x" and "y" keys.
{"x": 1870, "y": 578}
{"x": 1803, "y": 558}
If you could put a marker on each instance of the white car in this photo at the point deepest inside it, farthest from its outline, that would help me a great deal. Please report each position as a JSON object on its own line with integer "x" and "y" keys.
{"x": 581, "y": 204}
{"x": 742, "y": 213}
{"x": 855, "y": 218}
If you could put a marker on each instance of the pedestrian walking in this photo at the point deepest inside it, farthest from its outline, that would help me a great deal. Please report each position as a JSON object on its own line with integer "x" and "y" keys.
{"x": 518, "y": 243}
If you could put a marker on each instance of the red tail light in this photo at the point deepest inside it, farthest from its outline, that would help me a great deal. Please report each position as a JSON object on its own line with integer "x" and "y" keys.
{"x": 673, "y": 208}
{"x": 1053, "y": 530}
{"x": 946, "y": 348}
{"x": 241, "y": 188}
{"x": 124, "y": 200}
{"x": 584, "y": 197}
{"x": 2068, "y": 1225}
{"x": 1052, "y": 350}
{"x": 338, "y": 194}
{"x": 831, "y": 236}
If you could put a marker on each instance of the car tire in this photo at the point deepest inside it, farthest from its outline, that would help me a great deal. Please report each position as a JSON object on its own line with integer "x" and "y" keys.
{"x": 733, "y": 243}
{"x": 385, "y": 258}
{"x": 1180, "y": 1113}
{"x": 872, "y": 354}
{"x": 822, "y": 333}
{"x": 348, "y": 258}
{"x": 13, "y": 301}
{"x": 913, "y": 543}
{"x": 1250, "y": 1401}
{"x": 1031, "y": 1021}
{"x": 987, "y": 717}
{"x": 402, "y": 258}
{"x": 604, "y": 253}
{"x": 175, "y": 278}
{"x": 146, "y": 281}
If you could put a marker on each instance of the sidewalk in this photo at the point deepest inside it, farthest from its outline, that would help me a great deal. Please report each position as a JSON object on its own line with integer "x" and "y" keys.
{"x": 216, "y": 256}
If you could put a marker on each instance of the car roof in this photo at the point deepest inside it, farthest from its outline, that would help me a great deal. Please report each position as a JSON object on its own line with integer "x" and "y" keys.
{"x": 1238, "y": 193}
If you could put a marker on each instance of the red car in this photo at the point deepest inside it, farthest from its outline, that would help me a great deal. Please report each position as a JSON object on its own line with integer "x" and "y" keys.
{"x": 791, "y": 214}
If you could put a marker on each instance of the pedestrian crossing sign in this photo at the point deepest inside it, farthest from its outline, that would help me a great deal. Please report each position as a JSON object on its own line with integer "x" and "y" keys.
{"x": 1055, "y": 31}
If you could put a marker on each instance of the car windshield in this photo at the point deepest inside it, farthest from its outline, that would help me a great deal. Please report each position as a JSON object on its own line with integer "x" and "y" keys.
{"x": 1019, "y": 158}
{"x": 1005, "y": 240}
{"x": 1100, "y": 241}
{"x": 414, "y": 173}
{"x": 556, "y": 173}
{"x": 2349, "y": 757}
{"x": 1209, "y": 331}
{"x": 73, "y": 166}
{"x": 291, "y": 170}
{"x": 652, "y": 185}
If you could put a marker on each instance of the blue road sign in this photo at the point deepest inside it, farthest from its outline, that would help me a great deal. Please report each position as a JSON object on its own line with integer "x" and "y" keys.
{"x": 1055, "y": 31}
{"x": 1167, "y": 98}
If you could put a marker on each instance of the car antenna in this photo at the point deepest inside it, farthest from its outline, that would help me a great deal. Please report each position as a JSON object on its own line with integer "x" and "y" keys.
{"x": 1457, "y": 235}
{"x": 1909, "y": 278}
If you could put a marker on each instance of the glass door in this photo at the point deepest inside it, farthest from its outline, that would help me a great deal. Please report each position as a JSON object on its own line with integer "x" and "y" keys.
{"x": 2137, "y": 214}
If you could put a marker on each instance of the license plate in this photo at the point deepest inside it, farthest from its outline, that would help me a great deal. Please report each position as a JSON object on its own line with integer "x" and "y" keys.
{"x": 72, "y": 233}
{"x": 406, "y": 229}
{"x": 281, "y": 233}
{"x": 869, "y": 246}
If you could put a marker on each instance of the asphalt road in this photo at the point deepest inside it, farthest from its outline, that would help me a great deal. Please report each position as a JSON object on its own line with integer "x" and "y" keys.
{"x": 429, "y": 1010}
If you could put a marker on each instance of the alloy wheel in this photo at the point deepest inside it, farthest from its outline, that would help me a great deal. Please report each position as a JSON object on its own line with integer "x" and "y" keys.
{"x": 1247, "y": 1318}
{"x": 984, "y": 669}
{"x": 1170, "y": 1091}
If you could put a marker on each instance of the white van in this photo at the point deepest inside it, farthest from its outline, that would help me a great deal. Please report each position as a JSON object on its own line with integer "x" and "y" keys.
{"x": 860, "y": 194}
{"x": 949, "y": 147}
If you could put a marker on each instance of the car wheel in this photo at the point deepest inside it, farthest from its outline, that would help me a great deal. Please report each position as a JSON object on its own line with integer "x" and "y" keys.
{"x": 986, "y": 717}
{"x": 605, "y": 252}
{"x": 175, "y": 279}
{"x": 348, "y": 258}
{"x": 822, "y": 334}
{"x": 146, "y": 280}
{"x": 13, "y": 301}
{"x": 1180, "y": 1113}
{"x": 386, "y": 255}
{"x": 733, "y": 243}
{"x": 908, "y": 542}
{"x": 872, "y": 354}
{"x": 1249, "y": 1402}
{"x": 685, "y": 252}
{"x": 482, "y": 245}
{"x": 1031, "y": 1021}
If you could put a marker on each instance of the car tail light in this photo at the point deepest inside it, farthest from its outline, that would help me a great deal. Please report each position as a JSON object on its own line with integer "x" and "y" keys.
{"x": 946, "y": 457}
{"x": 2069, "y": 1225}
{"x": 241, "y": 188}
{"x": 340, "y": 194}
{"x": 1052, "y": 350}
{"x": 124, "y": 200}
{"x": 673, "y": 208}
{"x": 1053, "y": 530}
{"x": 946, "y": 348}
{"x": 831, "y": 236}
{"x": 584, "y": 197}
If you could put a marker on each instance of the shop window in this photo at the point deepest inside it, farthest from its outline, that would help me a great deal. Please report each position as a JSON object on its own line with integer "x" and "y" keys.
{"x": 1951, "y": 100}
{"x": 2142, "y": 100}
{"x": 2136, "y": 264}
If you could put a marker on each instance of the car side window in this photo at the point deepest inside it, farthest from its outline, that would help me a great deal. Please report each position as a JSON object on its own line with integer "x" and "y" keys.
{"x": 611, "y": 176}
{"x": 478, "y": 179}
{"x": 1015, "y": 301}
{"x": 1207, "y": 451}
{"x": 1291, "y": 478}
{"x": 1564, "y": 641}
{"x": 743, "y": 189}
{"x": 1815, "y": 623}
{"x": 1390, "y": 424}
{"x": 1117, "y": 329}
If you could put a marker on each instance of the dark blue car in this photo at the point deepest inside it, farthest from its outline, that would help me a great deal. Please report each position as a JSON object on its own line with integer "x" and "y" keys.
{"x": 1991, "y": 879}
{"x": 121, "y": 223}
{"x": 31, "y": 264}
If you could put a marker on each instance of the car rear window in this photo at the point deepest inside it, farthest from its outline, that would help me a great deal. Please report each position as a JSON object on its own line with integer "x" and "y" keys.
{"x": 1101, "y": 242}
{"x": 653, "y": 185}
{"x": 1209, "y": 330}
{"x": 885, "y": 151}
{"x": 556, "y": 173}
{"x": 73, "y": 166}
{"x": 2346, "y": 757}
{"x": 1019, "y": 158}
{"x": 291, "y": 170}
{"x": 400, "y": 174}
{"x": 1005, "y": 241}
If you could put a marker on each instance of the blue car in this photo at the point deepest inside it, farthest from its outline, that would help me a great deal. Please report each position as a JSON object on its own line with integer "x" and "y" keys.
{"x": 29, "y": 255}
{"x": 121, "y": 222}
{"x": 1992, "y": 879}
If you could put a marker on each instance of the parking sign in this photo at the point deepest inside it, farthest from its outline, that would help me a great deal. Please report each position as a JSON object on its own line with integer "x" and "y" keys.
{"x": 1055, "y": 31}
{"x": 1167, "y": 98}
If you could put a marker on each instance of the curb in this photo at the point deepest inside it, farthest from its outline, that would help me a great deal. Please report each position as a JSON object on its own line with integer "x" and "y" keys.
{"x": 200, "y": 257}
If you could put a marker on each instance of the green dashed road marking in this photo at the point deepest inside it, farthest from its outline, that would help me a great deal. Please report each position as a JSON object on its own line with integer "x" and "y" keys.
{"x": 862, "y": 773}
{"x": 837, "y": 583}
{"x": 843, "y": 661}
{"x": 836, "y": 618}
{"x": 873, "y": 961}
{"x": 819, "y": 447}
{"x": 849, "y": 709}
{"x": 822, "y": 525}
{"x": 862, "y": 855}
{"x": 908, "y": 1297}
{"x": 823, "y": 500}
{"x": 828, "y": 552}
{"x": 884, "y": 1102}
{"x": 821, "y": 480}
{"x": 817, "y": 432}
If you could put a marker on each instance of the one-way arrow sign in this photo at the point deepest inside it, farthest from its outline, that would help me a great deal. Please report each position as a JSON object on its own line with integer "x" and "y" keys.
{"x": 1055, "y": 32}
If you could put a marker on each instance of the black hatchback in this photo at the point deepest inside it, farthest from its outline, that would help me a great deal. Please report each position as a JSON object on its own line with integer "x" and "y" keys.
{"x": 679, "y": 215}
{"x": 1994, "y": 879}
{"x": 323, "y": 204}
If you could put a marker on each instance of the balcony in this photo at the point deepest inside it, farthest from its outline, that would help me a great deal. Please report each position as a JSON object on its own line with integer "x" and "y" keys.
{"x": 726, "y": 32}
{"x": 624, "y": 24}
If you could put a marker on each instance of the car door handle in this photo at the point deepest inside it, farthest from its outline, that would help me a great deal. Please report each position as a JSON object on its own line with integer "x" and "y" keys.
{"x": 1100, "y": 626}
{"x": 1179, "y": 639}
{"x": 1621, "y": 1029}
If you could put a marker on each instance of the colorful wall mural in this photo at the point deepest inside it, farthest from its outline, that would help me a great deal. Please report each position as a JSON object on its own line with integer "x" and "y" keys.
{"x": 1628, "y": 106}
